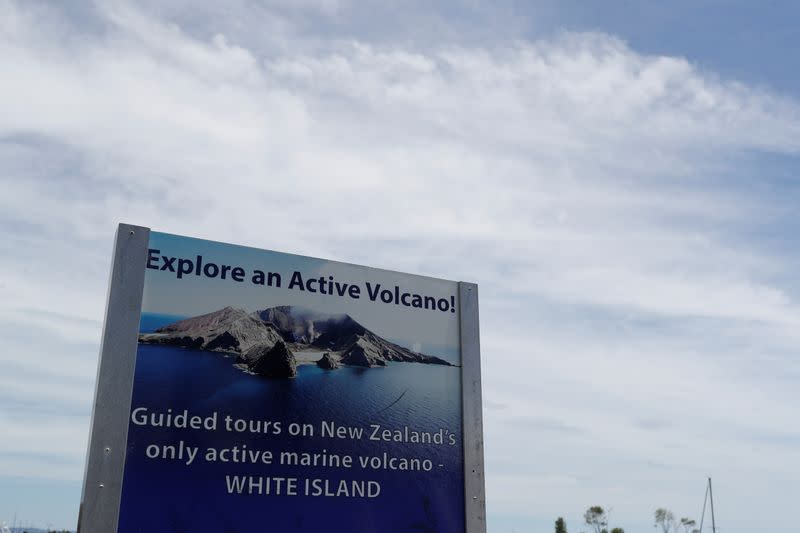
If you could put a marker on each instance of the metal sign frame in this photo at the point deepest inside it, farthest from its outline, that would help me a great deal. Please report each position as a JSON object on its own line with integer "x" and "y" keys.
{"x": 108, "y": 434}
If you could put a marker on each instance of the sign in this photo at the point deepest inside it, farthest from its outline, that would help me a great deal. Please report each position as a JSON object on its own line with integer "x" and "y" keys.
{"x": 249, "y": 390}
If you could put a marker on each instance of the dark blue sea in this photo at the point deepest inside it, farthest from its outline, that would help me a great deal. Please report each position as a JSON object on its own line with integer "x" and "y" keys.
{"x": 163, "y": 495}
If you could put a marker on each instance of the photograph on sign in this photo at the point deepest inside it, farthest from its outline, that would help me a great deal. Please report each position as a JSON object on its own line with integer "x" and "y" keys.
{"x": 286, "y": 393}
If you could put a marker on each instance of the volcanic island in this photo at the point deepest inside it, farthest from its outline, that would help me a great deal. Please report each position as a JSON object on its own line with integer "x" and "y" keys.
{"x": 273, "y": 341}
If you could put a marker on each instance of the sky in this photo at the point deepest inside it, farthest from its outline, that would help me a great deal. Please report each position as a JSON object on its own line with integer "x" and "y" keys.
{"x": 620, "y": 179}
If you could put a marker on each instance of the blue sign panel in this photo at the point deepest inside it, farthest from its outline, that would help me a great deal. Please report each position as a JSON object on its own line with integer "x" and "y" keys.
{"x": 275, "y": 392}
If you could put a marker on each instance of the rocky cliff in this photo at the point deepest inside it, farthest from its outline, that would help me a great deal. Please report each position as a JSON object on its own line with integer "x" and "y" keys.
{"x": 276, "y": 361}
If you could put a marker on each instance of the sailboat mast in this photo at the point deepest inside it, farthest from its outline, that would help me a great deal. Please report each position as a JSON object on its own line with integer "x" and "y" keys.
{"x": 703, "y": 516}
{"x": 711, "y": 494}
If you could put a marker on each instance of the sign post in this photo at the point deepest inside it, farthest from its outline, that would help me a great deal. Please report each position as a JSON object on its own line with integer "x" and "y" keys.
{"x": 249, "y": 390}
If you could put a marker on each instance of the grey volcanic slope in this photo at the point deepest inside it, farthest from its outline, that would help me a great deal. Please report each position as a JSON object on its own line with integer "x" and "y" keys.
{"x": 308, "y": 327}
{"x": 355, "y": 344}
{"x": 227, "y": 330}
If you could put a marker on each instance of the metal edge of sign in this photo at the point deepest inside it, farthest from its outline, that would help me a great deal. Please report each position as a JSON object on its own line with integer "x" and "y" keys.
{"x": 108, "y": 433}
{"x": 471, "y": 409}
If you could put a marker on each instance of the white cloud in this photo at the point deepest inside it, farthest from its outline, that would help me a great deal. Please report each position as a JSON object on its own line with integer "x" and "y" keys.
{"x": 592, "y": 191}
